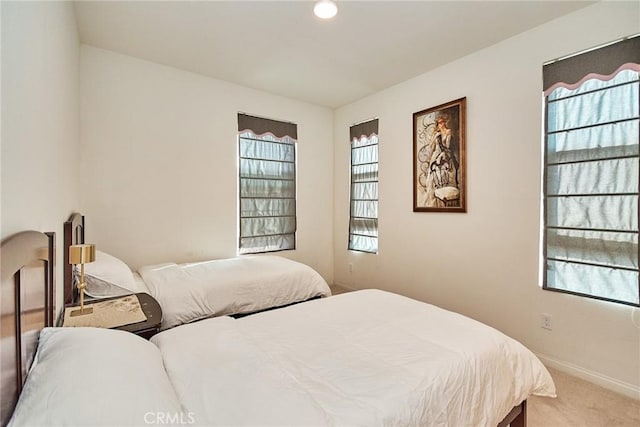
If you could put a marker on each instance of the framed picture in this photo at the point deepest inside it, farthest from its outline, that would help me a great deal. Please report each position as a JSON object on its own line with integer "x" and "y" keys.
{"x": 439, "y": 162}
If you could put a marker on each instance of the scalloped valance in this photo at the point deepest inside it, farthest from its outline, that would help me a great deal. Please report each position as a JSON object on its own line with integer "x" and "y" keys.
{"x": 261, "y": 126}
{"x": 603, "y": 63}
{"x": 366, "y": 129}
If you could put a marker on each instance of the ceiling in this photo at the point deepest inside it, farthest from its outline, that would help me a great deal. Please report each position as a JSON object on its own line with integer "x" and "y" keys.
{"x": 282, "y": 48}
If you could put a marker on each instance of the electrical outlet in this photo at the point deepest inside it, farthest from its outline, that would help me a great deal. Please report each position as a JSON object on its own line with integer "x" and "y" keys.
{"x": 546, "y": 321}
{"x": 350, "y": 267}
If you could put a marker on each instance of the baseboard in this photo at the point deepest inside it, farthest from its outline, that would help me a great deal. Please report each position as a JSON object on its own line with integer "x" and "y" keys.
{"x": 609, "y": 383}
{"x": 343, "y": 286}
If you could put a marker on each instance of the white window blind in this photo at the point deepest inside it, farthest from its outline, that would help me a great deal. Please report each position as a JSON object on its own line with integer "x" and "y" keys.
{"x": 267, "y": 184}
{"x": 363, "y": 219}
{"x": 591, "y": 173}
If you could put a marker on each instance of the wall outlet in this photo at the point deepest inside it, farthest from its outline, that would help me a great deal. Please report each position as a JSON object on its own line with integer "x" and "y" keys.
{"x": 546, "y": 321}
{"x": 350, "y": 267}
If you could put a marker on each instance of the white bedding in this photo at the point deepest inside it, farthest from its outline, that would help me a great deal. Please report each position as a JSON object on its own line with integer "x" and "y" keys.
{"x": 95, "y": 377}
{"x": 190, "y": 292}
{"x": 362, "y": 358}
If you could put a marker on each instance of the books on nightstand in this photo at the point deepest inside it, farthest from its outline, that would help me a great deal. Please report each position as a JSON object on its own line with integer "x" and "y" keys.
{"x": 111, "y": 313}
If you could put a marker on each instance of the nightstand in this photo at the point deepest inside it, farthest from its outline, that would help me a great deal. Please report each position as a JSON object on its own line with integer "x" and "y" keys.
{"x": 151, "y": 309}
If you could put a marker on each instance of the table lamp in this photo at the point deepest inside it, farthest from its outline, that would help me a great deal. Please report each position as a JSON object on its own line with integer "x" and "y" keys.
{"x": 82, "y": 254}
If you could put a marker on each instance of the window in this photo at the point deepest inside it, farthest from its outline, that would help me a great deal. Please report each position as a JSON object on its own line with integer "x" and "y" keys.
{"x": 591, "y": 178}
{"x": 363, "y": 219}
{"x": 267, "y": 184}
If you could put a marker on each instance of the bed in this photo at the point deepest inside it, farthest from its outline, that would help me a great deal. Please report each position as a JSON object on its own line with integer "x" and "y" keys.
{"x": 361, "y": 358}
{"x": 27, "y": 296}
{"x": 189, "y": 292}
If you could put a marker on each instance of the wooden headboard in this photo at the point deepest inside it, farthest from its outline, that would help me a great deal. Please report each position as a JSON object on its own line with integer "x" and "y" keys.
{"x": 73, "y": 235}
{"x": 27, "y": 305}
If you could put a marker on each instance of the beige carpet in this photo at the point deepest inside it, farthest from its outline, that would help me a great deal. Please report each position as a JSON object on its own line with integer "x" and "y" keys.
{"x": 581, "y": 403}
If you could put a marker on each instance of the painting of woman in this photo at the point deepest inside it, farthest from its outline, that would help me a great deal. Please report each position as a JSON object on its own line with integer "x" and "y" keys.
{"x": 438, "y": 158}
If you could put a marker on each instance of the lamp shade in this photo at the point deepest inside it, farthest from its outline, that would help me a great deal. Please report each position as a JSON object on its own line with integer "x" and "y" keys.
{"x": 82, "y": 254}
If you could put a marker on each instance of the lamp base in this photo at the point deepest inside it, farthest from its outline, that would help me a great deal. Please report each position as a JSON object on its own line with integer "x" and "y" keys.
{"x": 81, "y": 311}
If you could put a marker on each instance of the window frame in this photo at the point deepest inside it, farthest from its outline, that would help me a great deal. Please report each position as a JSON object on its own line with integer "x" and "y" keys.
{"x": 357, "y": 131}
{"x": 282, "y": 132}
{"x": 593, "y": 56}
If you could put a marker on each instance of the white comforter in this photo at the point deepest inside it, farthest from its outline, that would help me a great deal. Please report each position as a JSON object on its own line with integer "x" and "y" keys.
{"x": 189, "y": 292}
{"x": 363, "y": 358}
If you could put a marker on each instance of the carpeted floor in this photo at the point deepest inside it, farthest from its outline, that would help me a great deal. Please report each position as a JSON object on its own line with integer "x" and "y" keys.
{"x": 582, "y": 404}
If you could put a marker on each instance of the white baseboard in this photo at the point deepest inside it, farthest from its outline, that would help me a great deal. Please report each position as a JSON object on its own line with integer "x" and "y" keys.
{"x": 347, "y": 287}
{"x": 609, "y": 383}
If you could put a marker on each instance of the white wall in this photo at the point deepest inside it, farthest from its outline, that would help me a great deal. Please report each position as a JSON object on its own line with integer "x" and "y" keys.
{"x": 40, "y": 119}
{"x": 485, "y": 263}
{"x": 154, "y": 136}
{"x": 159, "y": 163}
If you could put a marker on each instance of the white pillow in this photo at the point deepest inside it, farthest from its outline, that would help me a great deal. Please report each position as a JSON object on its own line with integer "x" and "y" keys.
{"x": 93, "y": 376}
{"x": 108, "y": 276}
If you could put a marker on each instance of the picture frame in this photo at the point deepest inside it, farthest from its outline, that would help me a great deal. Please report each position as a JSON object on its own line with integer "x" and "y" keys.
{"x": 439, "y": 158}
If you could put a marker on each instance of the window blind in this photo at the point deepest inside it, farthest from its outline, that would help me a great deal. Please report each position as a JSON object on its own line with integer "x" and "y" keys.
{"x": 591, "y": 174}
{"x": 363, "y": 218}
{"x": 267, "y": 184}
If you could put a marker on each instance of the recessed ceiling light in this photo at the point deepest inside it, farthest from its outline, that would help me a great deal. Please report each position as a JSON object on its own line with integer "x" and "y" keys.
{"x": 325, "y": 9}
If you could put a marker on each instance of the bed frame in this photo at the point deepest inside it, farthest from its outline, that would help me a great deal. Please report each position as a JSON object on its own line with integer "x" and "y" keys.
{"x": 28, "y": 304}
{"x": 73, "y": 235}
{"x": 517, "y": 417}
